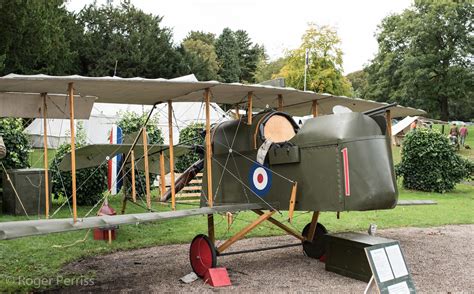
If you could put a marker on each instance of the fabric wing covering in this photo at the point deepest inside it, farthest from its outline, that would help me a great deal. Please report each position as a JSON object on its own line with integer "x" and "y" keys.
{"x": 152, "y": 91}
{"x": 95, "y": 155}
{"x": 30, "y": 105}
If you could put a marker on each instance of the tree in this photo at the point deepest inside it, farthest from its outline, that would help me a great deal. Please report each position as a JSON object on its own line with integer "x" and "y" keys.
{"x": 208, "y": 38}
{"x": 200, "y": 59}
{"x": 425, "y": 59}
{"x": 227, "y": 50}
{"x": 325, "y": 64}
{"x": 249, "y": 56}
{"x": 267, "y": 70}
{"x": 35, "y": 38}
{"x": 359, "y": 83}
{"x": 128, "y": 37}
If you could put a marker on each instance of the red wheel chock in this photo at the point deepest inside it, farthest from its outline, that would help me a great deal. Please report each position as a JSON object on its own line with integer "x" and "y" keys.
{"x": 217, "y": 277}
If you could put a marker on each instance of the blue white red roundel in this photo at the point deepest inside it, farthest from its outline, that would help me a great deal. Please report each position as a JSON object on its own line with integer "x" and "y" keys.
{"x": 260, "y": 179}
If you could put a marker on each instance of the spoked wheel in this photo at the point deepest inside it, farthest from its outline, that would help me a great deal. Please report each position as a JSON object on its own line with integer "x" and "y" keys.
{"x": 202, "y": 255}
{"x": 315, "y": 248}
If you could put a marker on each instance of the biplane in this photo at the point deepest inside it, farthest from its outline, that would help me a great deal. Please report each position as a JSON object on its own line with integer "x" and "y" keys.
{"x": 261, "y": 161}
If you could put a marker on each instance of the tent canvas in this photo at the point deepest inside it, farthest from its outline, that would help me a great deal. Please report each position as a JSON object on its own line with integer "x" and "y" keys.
{"x": 401, "y": 128}
{"x": 105, "y": 116}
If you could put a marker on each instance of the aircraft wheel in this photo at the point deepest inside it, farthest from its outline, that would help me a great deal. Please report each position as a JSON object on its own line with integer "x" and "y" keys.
{"x": 315, "y": 248}
{"x": 202, "y": 255}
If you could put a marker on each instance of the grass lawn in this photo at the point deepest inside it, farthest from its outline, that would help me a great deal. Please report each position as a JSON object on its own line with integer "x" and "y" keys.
{"x": 43, "y": 256}
{"x": 36, "y": 157}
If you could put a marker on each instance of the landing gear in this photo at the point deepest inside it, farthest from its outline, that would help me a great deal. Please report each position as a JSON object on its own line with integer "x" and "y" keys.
{"x": 315, "y": 248}
{"x": 202, "y": 255}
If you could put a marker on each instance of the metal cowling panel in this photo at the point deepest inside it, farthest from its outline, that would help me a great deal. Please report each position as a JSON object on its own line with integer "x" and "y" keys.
{"x": 335, "y": 128}
{"x": 372, "y": 183}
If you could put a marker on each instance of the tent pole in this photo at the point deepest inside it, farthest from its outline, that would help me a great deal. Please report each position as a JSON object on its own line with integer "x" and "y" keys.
{"x": 170, "y": 127}
{"x": 147, "y": 171}
{"x": 280, "y": 102}
{"x": 73, "y": 150}
{"x": 315, "y": 108}
{"x": 134, "y": 191}
{"x": 162, "y": 174}
{"x": 45, "y": 150}
{"x": 249, "y": 108}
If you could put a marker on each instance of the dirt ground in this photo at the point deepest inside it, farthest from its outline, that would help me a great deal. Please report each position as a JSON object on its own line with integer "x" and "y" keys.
{"x": 440, "y": 259}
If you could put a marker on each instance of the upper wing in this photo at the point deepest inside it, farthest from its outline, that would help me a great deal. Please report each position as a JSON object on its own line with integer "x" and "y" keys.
{"x": 152, "y": 91}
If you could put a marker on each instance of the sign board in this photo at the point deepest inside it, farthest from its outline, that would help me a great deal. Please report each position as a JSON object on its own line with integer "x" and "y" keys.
{"x": 389, "y": 269}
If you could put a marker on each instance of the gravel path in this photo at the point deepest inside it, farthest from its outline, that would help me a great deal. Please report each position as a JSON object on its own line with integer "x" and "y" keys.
{"x": 440, "y": 259}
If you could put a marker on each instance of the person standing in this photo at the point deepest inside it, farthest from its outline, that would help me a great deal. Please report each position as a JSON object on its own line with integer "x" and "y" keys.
{"x": 453, "y": 134}
{"x": 463, "y": 134}
{"x": 414, "y": 125}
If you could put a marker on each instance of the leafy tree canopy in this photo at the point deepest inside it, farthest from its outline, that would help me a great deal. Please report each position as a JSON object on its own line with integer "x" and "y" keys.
{"x": 208, "y": 38}
{"x": 128, "y": 36}
{"x": 200, "y": 58}
{"x": 325, "y": 64}
{"x": 359, "y": 83}
{"x": 425, "y": 59}
{"x": 267, "y": 70}
{"x": 249, "y": 56}
{"x": 227, "y": 50}
{"x": 35, "y": 38}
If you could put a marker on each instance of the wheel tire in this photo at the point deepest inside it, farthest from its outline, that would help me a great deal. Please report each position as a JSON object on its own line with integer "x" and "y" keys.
{"x": 317, "y": 247}
{"x": 202, "y": 255}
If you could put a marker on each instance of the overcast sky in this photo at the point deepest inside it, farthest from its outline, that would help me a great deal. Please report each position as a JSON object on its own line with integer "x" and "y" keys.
{"x": 277, "y": 24}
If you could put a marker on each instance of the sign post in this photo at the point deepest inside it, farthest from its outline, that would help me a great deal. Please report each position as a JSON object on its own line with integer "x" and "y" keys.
{"x": 389, "y": 269}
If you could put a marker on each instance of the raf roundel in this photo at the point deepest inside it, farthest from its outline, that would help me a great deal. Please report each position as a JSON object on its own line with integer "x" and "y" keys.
{"x": 260, "y": 179}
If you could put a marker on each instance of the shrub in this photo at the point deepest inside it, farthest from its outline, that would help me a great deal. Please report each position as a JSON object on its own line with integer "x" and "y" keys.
{"x": 16, "y": 142}
{"x": 190, "y": 135}
{"x": 91, "y": 183}
{"x": 132, "y": 122}
{"x": 429, "y": 163}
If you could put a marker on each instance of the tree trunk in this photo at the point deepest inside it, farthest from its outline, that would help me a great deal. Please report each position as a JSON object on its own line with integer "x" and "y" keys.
{"x": 444, "y": 108}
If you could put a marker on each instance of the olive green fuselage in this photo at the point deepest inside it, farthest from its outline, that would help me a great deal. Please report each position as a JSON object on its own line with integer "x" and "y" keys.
{"x": 340, "y": 162}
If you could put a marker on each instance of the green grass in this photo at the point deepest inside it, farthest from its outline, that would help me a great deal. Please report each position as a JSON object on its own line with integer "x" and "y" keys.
{"x": 44, "y": 256}
{"x": 469, "y": 153}
{"x": 36, "y": 157}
